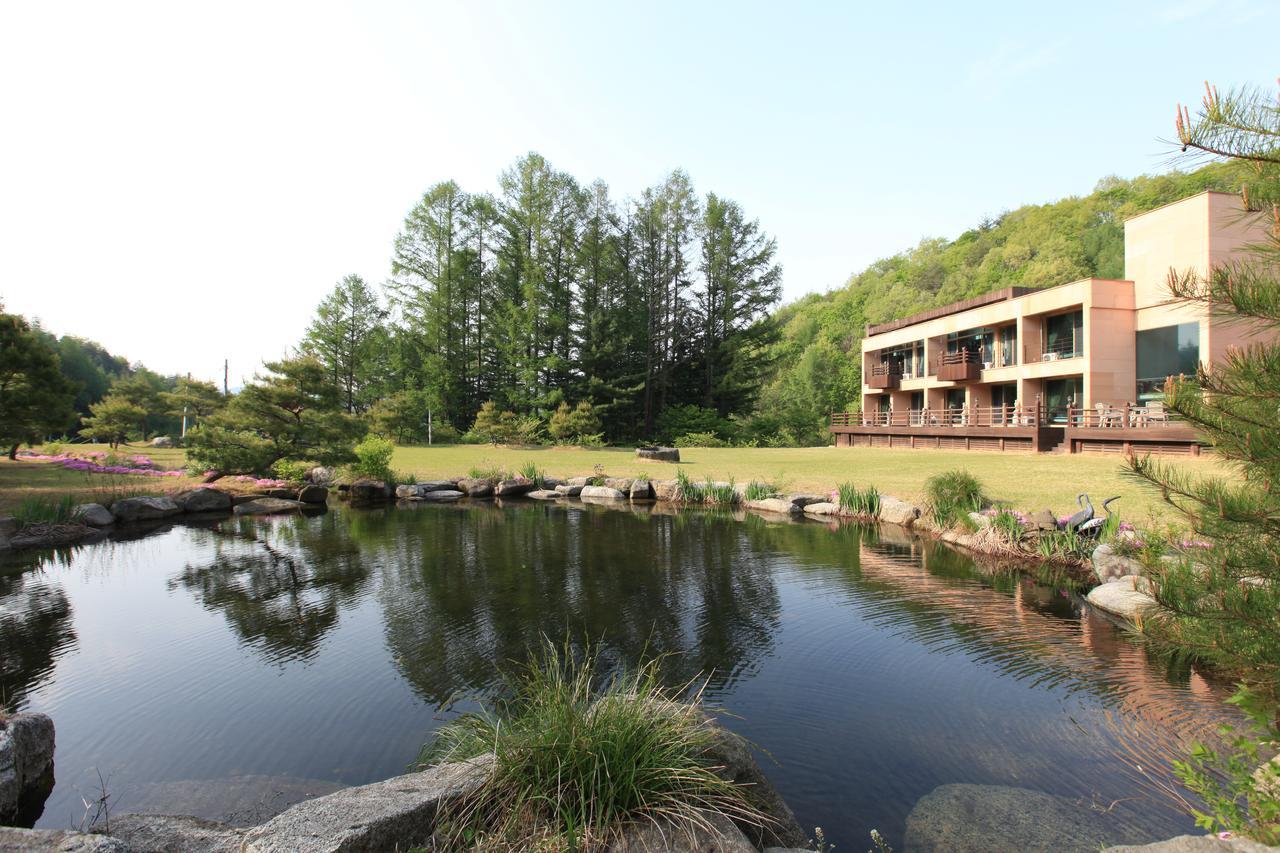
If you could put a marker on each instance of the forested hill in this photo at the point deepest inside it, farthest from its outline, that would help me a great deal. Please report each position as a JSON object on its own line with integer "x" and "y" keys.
{"x": 1033, "y": 246}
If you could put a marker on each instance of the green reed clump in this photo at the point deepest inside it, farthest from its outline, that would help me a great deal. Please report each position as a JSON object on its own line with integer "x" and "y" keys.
{"x": 45, "y": 510}
{"x": 1062, "y": 545}
{"x": 487, "y": 471}
{"x": 577, "y": 758}
{"x": 708, "y": 492}
{"x": 531, "y": 471}
{"x": 758, "y": 491}
{"x": 863, "y": 502}
{"x": 1010, "y": 525}
{"x": 951, "y": 496}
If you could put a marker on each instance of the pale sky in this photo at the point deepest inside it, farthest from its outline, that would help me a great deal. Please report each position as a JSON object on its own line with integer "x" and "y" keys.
{"x": 184, "y": 182}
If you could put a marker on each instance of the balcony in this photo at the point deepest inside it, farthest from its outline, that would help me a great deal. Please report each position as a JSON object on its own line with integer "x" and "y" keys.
{"x": 961, "y": 366}
{"x": 884, "y": 377}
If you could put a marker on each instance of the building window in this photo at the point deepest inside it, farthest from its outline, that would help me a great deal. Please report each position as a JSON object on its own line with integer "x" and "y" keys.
{"x": 1064, "y": 336}
{"x": 1008, "y": 346}
{"x": 955, "y": 398}
{"x": 1060, "y": 393}
{"x": 905, "y": 361}
{"x": 1164, "y": 352}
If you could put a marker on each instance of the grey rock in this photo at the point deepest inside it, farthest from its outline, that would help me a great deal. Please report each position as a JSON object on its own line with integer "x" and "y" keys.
{"x": 733, "y": 757}
{"x": 8, "y": 526}
{"x": 551, "y": 482}
{"x": 1045, "y": 520}
{"x": 26, "y": 767}
{"x": 980, "y": 521}
{"x": 659, "y": 454}
{"x": 1109, "y": 566}
{"x": 280, "y": 492}
{"x": 514, "y": 488}
{"x": 203, "y": 500}
{"x": 894, "y": 511}
{"x": 822, "y": 508}
{"x": 601, "y": 493}
{"x": 94, "y": 515}
{"x": 964, "y": 818}
{"x": 320, "y": 475}
{"x": 713, "y": 833}
{"x": 162, "y": 441}
{"x": 579, "y": 481}
{"x": 58, "y": 841}
{"x": 175, "y": 834}
{"x": 1127, "y": 598}
{"x": 142, "y": 509}
{"x": 368, "y": 491}
{"x": 313, "y": 494}
{"x": 238, "y": 801}
{"x": 803, "y": 501}
{"x": 476, "y": 488}
{"x": 622, "y": 484}
{"x": 396, "y": 814}
{"x": 641, "y": 490}
{"x": 778, "y": 505}
{"x": 407, "y": 490}
{"x": 268, "y": 506}
{"x": 443, "y": 495}
{"x": 51, "y": 535}
{"x": 1195, "y": 844}
{"x": 544, "y": 495}
{"x": 568, "y": 490}
{"x": 664, "y": 490}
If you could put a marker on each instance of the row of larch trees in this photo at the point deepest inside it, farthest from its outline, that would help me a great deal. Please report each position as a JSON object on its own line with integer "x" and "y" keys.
{"x": 552, "y": 291}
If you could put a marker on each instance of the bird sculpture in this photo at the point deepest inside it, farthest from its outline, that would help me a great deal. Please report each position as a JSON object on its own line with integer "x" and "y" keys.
{"x": 1086, "y": 513}
{"x": 1093, "y": 527}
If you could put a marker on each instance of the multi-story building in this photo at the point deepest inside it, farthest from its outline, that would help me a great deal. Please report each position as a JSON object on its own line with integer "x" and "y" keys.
{"x": 1080, "y": 365}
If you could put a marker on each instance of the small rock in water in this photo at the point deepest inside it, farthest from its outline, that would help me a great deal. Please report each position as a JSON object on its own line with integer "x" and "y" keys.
{"x": 94, "y": 515}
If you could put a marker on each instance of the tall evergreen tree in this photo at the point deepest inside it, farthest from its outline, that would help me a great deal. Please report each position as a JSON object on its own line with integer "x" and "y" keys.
{"x": 35, "y": 397}
{"x": 345, "y": 336}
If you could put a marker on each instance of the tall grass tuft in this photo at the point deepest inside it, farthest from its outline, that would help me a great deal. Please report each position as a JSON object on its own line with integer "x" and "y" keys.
{"x": 531, "y": 471}
{"x": 708, "y": 492}
{"x": 43, "y": 510}
{"x": 577, "y": 758}
{"x": 951, "y": 496}
{"x": 863, "y": 502}
{"x": 758, "y": 491}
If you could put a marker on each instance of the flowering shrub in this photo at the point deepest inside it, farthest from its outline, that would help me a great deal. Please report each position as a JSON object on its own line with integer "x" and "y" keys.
{"x": 262, "y": 482}
{"x": 141, "y": 465}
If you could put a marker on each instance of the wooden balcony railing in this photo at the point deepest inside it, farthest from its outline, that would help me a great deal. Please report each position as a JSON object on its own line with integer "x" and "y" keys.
{"x": 961, "y": 366}
{"x": 884, "y": 376}
{"x": 965, "y": 416}
{"x": 1125, "y": 416}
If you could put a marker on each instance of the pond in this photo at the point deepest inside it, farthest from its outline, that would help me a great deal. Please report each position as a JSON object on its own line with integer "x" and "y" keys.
{"x": 227, "y": 667}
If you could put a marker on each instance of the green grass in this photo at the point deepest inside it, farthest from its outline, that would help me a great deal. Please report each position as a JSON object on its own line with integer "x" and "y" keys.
{"x": 951, "y": 495}
{"x": 576, "y": 760}
{"x": 863, "y": 501}
{"x": 758, "y": 491}
{"x": 45, "y": 509}
{"x": 708, "y": 492}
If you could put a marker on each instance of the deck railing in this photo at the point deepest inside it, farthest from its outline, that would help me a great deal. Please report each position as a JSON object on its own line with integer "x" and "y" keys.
{"x": 965, "y": 416}
{"x": 1123, "y": 416}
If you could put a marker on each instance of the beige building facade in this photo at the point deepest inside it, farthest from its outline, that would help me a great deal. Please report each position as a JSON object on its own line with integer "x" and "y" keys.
{"x": 1095, "y": 346}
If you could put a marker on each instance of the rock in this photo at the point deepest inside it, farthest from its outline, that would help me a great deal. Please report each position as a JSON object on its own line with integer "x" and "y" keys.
{"x": 443, "y": 495}
{"x": 964, "y": 818}
{"x": 58, "y": 841}
{"x": 822, "y": 508}
{"x": 142, "y": 509}
{"x": 94, "y": 515}
{"x": 664, "y": 490}
{"x": 622, "y": 484}
{"x": 8, "y": 527}
{"x": 713, "y": 833}
{"x": 733, "y": 756}
{"x": 1109, "y": 566}
{"x": 313, "y": 494}
{"x": 1045, "y": 520}
{"x": 173, "y": 833}
{"x": 544, "y": 495}
{"x": 1125, "y": 598}
{"x": 26, "y": 767}
{"x": 551, "y": 482}
{"x": 280, "y": 492}
{"x": 52, "y": 535}
{"x": 161, "y": 441}
{"x": 568, "y": 490}
{"x": 236, "y": 500}
{"x": 476, "y": 488}
{"x": 579, "y": 481}
{"x": 203, "y": 500}
{"x": 894, "y": 511}
{"x": 1195, "y": 844}
{"x": 514, "y": 488}
{"x": 268, "y": 506}
{"x": 602, "y": 493}
{"x": 641, "y": 490}
{"x": 368, "y": 491}
{"x": 659, "y": 454}
{"x": 980, "y": 521}
{"x": 396, "y": 814}
{"x": 320, "y": 475}
{"x": 406, "y": 491}
{"x": 773, "y": 505}
{"x": 803, "y": 501}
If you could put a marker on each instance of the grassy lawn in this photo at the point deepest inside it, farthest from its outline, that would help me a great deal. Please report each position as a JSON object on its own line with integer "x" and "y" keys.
{"x": 21, "y": 481}
{"x": 1026, "y": 481}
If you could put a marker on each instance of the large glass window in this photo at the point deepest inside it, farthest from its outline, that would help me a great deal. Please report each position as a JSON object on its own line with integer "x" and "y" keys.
{"x": 1060, "y": 393}
{"x": 978, "y": 342}
{"x": 1064, "y": 335}
{"x": 1164, "y": 352}
{"x": 955, "y": 398}
{"x": 1008, "y": 346}
{"x": 907, "y": 361}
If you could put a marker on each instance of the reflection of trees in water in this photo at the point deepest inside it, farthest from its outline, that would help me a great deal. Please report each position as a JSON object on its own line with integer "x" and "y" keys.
{"x": 280, "y": 583}
{"x": 35, "y": 628}
{"x": 467, "y": 592}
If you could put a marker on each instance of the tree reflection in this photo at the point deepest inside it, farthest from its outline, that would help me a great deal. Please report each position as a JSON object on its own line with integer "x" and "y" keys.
{"x": 281, "y": 583}
{"x": 35, "y": 629}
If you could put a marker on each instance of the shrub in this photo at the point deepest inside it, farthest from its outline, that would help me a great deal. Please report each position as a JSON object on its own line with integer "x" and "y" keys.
{"x": 54, "y": 448}
{"x": 572, "y": 424}
{"x": 574, "y": 762}
{"x": 1062, "y": 545}
{"x": 864, "y": 502}
{"x": 758, "y": 491}
{"x": 1010, "y": 524}
{"x": 700, "y": 439}
{"x": 42, "y": 510}
{"x": 291, "y": 470}
{"x": 677, "y": 421}
{"x": 373, "y": 458}
{"x": 531, "y": 471}
{"x": 531, "y": 430}
{"x": 951, "y": 496}
{"x": 488, "y": 471}
{"x": 493, "y": 426}
{"x": 708, "y": 492}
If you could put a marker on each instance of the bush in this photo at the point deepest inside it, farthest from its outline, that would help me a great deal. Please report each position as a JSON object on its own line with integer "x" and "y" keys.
{"x": 569, "y": 425}
{"x": 291, "y": 470}
{"x": 1010, "y": 525}
{"x": 951, "y": 496}
{"x": 493, "y": 426}
{"x": 531, "y": 471}
{"x": 700, "y": 439}
{"x": 709, "y": 492}
{"x": 758, "y": 491}
{"x": 677, "y": 421}
{"x": 862, "y": 502}
{"x": 574, "y": 763}
{"x": 41, "y": 510}
{"x": 373, "y": 458}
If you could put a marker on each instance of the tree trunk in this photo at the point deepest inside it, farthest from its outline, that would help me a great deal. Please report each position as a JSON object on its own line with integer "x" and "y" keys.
{"x": 13, "y": 453}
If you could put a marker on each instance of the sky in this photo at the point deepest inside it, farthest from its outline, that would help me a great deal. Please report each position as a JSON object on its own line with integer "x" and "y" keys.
{"x": 184, "y": 182}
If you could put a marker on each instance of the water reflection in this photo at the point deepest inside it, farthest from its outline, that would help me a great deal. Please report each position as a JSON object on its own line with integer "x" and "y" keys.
{"x": 35, "y": 626}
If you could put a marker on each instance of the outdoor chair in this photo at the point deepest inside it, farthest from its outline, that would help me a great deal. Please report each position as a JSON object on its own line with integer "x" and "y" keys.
{"x": 1157, "y": 414}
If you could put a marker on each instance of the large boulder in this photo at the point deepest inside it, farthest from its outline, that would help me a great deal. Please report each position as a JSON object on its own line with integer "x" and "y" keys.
{"x": 664, "y": 490}
{"x": 203, "y": 500}
{"x": 94, "y": 515}
{"x": 8, "y": 527}
{"x": 368, "y": 491}
{"x": 514, "y": 488}
{"x": 144, "y": 509}
{"x": 443, "y": 495}
{"x": 641, "y": 490}
{"x": 1110, "y": 566}
{"x": 1127, "y": 598}
{"x": 822, "y": 508}
{"x": 569, "y": 491}
{"x": 162, "y": 441}
{"x": 174, "y": 833}
{"x": 1044, "y": 520}
{"x": 397, "y": 814}
{"x": 26, "y": 767}
{"x": 894, "y": 511}
{"x": 268, "y": 506}
{"x": 544, "y": 495}
{"x": 732, "y": 756}
{"x": 710, "y": 833}
{"x": 1195, "y": 844}
{"x": 473, "y": 488}
{"x": 579, "y": 481}
{"x": 313, "y": 494}
{"x": 320, "y": 475}
{"x": 659, "y": 454}
{"x": 778, "y": 505}
{"x": 622, "y": 484}
{"x": 59, "y": 841}
{"x": 601, "y": 493}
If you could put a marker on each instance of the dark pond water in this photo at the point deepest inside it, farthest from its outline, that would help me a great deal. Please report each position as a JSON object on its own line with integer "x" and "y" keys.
{"x": 279, "y": 657}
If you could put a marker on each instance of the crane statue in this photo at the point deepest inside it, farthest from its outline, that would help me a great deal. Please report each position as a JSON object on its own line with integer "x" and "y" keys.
{"x": 1085, "y": 514}
{"x": 1093, "y": 527}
